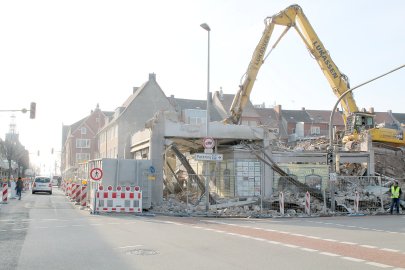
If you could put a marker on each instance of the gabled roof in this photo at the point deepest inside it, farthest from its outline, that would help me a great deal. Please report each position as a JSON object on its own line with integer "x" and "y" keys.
{"x": 294, "y": 116}
{"x": 108, "y": 114}
{"x": 268, "y": 117}
{"x": 76, "y": 125}
{"x": 383, "y": 117}
{"x": 323, "y": 116}
{"x": 131, "y": 98}
{"x": 181, "y": 104}
{"x": 226, "y": 101}
{"x": 135, "y": 93}
{"x": 400, "y": 117}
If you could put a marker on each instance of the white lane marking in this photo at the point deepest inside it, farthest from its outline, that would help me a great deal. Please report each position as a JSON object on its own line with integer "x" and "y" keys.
{"x": 61, "y": 226}
{"x": 77, "y": 225}
{"x": 367, "y": 246}
{"x": 298, "y": 234}
{"x": 378, "y": 264}
{"x": 353, "y": 259}
{"x": 128, "y": 246}
{"x": 3, "y": 230}
{"x": 19, "y": 229}
{"x": 307, "y": 236}
{"x": 96, "y": 224}
{"x": 329, "y": 240}
{"x": 128, "y": 223}
{"x": 389, "y": 249}
{"x": 329, "y": 254}
{"x": 309, "y": 249}
{"x": 290, "y": 246}
{"x": 348, "y": 243}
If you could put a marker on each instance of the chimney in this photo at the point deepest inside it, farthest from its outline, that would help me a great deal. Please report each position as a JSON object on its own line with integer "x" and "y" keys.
{"x": 337, "y": 109}
{"x": 221, "y": 94}
{"x": 371, "y": 110}
{"x": 171, "y": 96}
{"x": 277, "y": 109}
{"x": 152, "y": 77}
{"x": 303, "y": 108}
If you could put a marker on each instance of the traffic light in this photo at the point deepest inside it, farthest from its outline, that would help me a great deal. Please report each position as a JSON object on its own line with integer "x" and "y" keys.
{"x": 32, "y": 110}
{"x": 329, "y": 157}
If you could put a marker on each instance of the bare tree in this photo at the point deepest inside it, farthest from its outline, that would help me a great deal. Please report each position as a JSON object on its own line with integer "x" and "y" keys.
{"x": 12, "y": 150}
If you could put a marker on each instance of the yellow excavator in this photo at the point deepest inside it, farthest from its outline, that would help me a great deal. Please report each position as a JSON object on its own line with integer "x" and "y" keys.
{"x": 355, "y": 120}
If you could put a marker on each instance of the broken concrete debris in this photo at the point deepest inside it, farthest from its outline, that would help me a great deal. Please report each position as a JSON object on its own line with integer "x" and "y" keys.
{"x": 371, "y": 193}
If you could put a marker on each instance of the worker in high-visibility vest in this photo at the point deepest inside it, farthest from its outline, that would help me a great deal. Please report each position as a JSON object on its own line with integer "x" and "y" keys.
{"x": 395, "y": 196}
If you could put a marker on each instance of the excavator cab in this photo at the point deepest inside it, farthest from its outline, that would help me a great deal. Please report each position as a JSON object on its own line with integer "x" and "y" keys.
{"x": 358, "y": 122}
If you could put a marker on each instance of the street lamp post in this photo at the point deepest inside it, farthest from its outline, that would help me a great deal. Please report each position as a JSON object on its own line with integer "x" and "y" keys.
{"x": 332, "y": 165}
{"x": 207, "y": 193}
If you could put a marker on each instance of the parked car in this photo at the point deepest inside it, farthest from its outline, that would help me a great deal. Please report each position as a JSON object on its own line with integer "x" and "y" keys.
{"x": 42, "y": 184}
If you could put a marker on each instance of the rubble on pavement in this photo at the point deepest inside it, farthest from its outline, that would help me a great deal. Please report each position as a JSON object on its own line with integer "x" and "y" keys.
{"x": 373, "y": 198}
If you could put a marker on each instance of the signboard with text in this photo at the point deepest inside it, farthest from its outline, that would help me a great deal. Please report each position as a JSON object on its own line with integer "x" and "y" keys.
{"x": 209, "y": 157}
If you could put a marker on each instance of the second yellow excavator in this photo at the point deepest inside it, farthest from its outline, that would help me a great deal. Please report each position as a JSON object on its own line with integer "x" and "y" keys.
{"x": 354, "y": 119}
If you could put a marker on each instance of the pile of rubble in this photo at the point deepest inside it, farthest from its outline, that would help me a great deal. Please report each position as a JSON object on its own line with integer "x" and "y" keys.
{"x": 371, "y": 196}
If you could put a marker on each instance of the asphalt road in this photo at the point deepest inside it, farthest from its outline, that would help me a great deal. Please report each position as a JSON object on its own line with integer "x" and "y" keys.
{"x": 48, "y": 232}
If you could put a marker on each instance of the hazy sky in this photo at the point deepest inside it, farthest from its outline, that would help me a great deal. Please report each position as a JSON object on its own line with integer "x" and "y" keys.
{"x": 69, "y": 56}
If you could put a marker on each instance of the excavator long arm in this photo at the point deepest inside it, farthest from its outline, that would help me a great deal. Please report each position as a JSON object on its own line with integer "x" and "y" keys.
{"x": 292, "y": 16}
{"x": 242, "y": 96}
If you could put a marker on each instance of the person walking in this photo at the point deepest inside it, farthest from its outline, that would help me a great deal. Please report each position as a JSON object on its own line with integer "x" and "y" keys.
{"x": 19, "y": 186}
{"x": 395, "y": 195}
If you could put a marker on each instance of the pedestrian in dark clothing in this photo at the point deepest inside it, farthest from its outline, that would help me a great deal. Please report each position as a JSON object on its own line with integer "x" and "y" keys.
{"x": 19, "y": 186}
{"x": 395, "y": 196}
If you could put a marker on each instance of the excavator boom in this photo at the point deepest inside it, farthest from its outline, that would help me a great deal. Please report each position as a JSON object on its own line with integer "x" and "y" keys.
{"x": 355, "y": 121}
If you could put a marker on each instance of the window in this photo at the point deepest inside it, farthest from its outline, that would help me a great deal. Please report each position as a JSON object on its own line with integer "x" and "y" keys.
{"x": 142, "y": 154}
{"x": 83, "y": 130}
{"x": 82, "y": 157}
{"x": 315, "y": 130}
{"x": 195, "y": 117}
{"x": 82, "y": 143}
{"x": 251, "y": 123}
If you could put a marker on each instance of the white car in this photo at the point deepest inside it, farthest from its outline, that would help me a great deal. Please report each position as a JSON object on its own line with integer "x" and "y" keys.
{"x": 42, "y": 184}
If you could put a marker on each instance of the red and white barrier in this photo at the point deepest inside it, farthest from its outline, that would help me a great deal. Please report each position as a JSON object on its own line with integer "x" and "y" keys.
{"x": 356, "y": 202}
{"x": 4, "y": 193}
{"x": 127, "y": 200}
{"x": 75, "y": 192}
{"x": 26, "y": 185}
{"x": 281, "y": 202}
{"x": 83, "y": 196}
{"x": 307, "y": 203}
